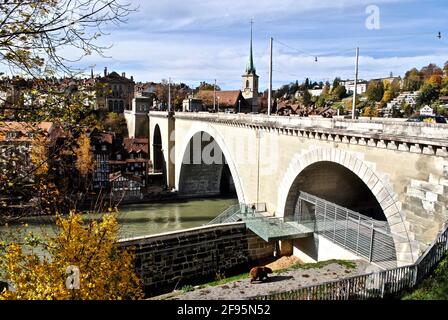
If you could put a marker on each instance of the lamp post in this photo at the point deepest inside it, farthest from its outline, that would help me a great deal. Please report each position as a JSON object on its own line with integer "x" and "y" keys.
{"x": 239, "y": 106}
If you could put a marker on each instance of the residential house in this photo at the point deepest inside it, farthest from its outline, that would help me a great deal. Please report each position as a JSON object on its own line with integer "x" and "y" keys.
{"x": 126, "y": 186}
{"x": 229, "y": 101}
{"x": 350, "y": 86}
{"x": 16, "y": 142}
{"x": 114, "y": 92}
{"x": 102, "y": 145}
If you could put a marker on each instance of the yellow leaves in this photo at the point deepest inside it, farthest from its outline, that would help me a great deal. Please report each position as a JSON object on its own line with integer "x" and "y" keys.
{"x": 105, "y": 270}
{"x": 84, "y": 155}
{"x": 435, "y": 80}
{"x": 39, "y": 154}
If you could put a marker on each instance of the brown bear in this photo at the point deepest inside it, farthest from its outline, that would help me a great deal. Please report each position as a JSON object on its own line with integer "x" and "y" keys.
{"x": 260, "y": 273}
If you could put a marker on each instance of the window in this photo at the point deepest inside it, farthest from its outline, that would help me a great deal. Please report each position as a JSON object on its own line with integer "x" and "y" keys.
{"x": 11, "y": 134}
{"x": 247, "y": 83}
{"x": 103, "y": 147}
{"x": 118, "y": 156}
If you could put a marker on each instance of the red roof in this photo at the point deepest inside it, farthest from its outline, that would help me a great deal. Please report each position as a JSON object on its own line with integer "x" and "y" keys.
{"x": 135, "y": 145}
{"x": 226, "y": 98}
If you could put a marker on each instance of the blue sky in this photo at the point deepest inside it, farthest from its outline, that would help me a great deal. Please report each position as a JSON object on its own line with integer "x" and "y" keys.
{"x": 192, "y": 41}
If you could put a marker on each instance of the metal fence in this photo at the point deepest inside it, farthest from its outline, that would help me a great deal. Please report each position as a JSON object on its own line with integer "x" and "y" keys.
{"x": 367, "y": 238}
{"x": 237, "y": 211}
{"x": 226, "y": 215}
{"x": 374, "y": 285}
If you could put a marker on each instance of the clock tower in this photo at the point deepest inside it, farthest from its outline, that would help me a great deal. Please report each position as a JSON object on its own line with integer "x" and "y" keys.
{"x": 250, "y": 79}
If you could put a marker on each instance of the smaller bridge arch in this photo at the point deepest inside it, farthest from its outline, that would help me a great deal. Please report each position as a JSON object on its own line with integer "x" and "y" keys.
{"x": 357, "y": 171}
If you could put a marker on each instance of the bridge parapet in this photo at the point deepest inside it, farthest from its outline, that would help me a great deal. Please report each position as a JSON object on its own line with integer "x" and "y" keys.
{"x": 423, "y": 138}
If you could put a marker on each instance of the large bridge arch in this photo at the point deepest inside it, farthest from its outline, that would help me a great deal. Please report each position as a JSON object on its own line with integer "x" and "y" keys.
{"x": 381, "y": 191}
{"x": 181, "y": 150}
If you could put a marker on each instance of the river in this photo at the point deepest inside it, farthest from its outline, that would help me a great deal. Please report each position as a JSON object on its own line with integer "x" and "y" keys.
{"x": 143, "y": 219}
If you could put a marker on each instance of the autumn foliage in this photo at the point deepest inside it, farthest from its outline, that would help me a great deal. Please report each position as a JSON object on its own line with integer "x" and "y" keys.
{"x": 84, "y": 155}
{"x": 105, "y": 270}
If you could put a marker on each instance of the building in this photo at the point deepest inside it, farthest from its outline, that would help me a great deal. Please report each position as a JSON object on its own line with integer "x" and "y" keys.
{"x": 126, "y": 186}
{"x": 228, "y": 101}
{"x": 250, "y": 81}
{"x": 102, "y": 148}
{"x": 350, "y": 86}
{"x": 408, "y": 97}
{"x": 114, "y": 92}
{"x": 113, "y": 154}
{"x": 192, "y": 104}
{"x": 16, "y": 143}
{"x": 316, "y": 91}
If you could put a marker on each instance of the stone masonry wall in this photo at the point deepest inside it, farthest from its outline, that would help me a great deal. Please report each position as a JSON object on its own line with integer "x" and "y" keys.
{"x": 168, "y": 261}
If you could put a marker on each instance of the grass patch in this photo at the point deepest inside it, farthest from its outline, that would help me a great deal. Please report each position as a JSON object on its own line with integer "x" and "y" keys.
{"x": 187, "y": 288}
{"x": 318, "y": 265}
{"x": 435, "y": 287}
{"x": 226, "y": 280}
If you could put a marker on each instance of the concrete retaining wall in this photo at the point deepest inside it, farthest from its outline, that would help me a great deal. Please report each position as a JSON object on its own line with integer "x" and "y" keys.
{"x": 170, "y": 260}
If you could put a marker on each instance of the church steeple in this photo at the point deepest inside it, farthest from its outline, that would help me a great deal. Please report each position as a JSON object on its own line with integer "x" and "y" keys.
{"x": 250, "y": 79}
{"x": 250, "y": 69}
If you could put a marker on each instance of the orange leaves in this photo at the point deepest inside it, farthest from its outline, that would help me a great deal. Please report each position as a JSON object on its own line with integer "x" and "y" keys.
{"x": 84, "y": 155}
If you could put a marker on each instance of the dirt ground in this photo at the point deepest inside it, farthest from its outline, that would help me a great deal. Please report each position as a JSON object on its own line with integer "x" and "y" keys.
{"x": 283, "y": 281}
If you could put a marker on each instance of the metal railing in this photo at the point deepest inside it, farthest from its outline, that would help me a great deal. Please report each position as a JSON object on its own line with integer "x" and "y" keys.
{"x": 226, "y": 215}
{"x": 374, "y": 285}
{"x": 238, "y": 211}
{"x": 365, "y": 237}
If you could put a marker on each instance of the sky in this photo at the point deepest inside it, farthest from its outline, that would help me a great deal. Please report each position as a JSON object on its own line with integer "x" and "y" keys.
{"x": 195, "y": 40}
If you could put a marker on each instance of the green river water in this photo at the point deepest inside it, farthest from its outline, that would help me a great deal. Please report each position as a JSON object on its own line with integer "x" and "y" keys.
{"x": 142, "y": 219}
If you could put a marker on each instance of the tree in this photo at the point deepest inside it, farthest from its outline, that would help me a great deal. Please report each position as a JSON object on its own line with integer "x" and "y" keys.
{"x": 106, "y": 271}
{"x": 321, "y": 101}
{"x": 338, "y": 93}
{"x": 84, "y": 156}
{"x": 207, "y": 86}
{"x": 306, "y": 98}
{"x": 370, "y": 111}
{"x": 413, "y": 79}
{"x": 444, "y": 87}
{"x": 388, "y": 96}
{"x": 375, "y": 91}
{"x": 116, "y": 123}
{"x": 427, "y": 95}
{"x": 434, "y": 80}
{"x": 429, "y": 70}
{"x": 336, "y": 82}
{"x": 35, "y": 39}
{"x": 34, "y": 33}
{"x": 39, "y": 154}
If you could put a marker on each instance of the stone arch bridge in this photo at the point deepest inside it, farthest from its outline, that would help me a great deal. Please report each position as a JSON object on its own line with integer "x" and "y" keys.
{"x": 389, "y": 170}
